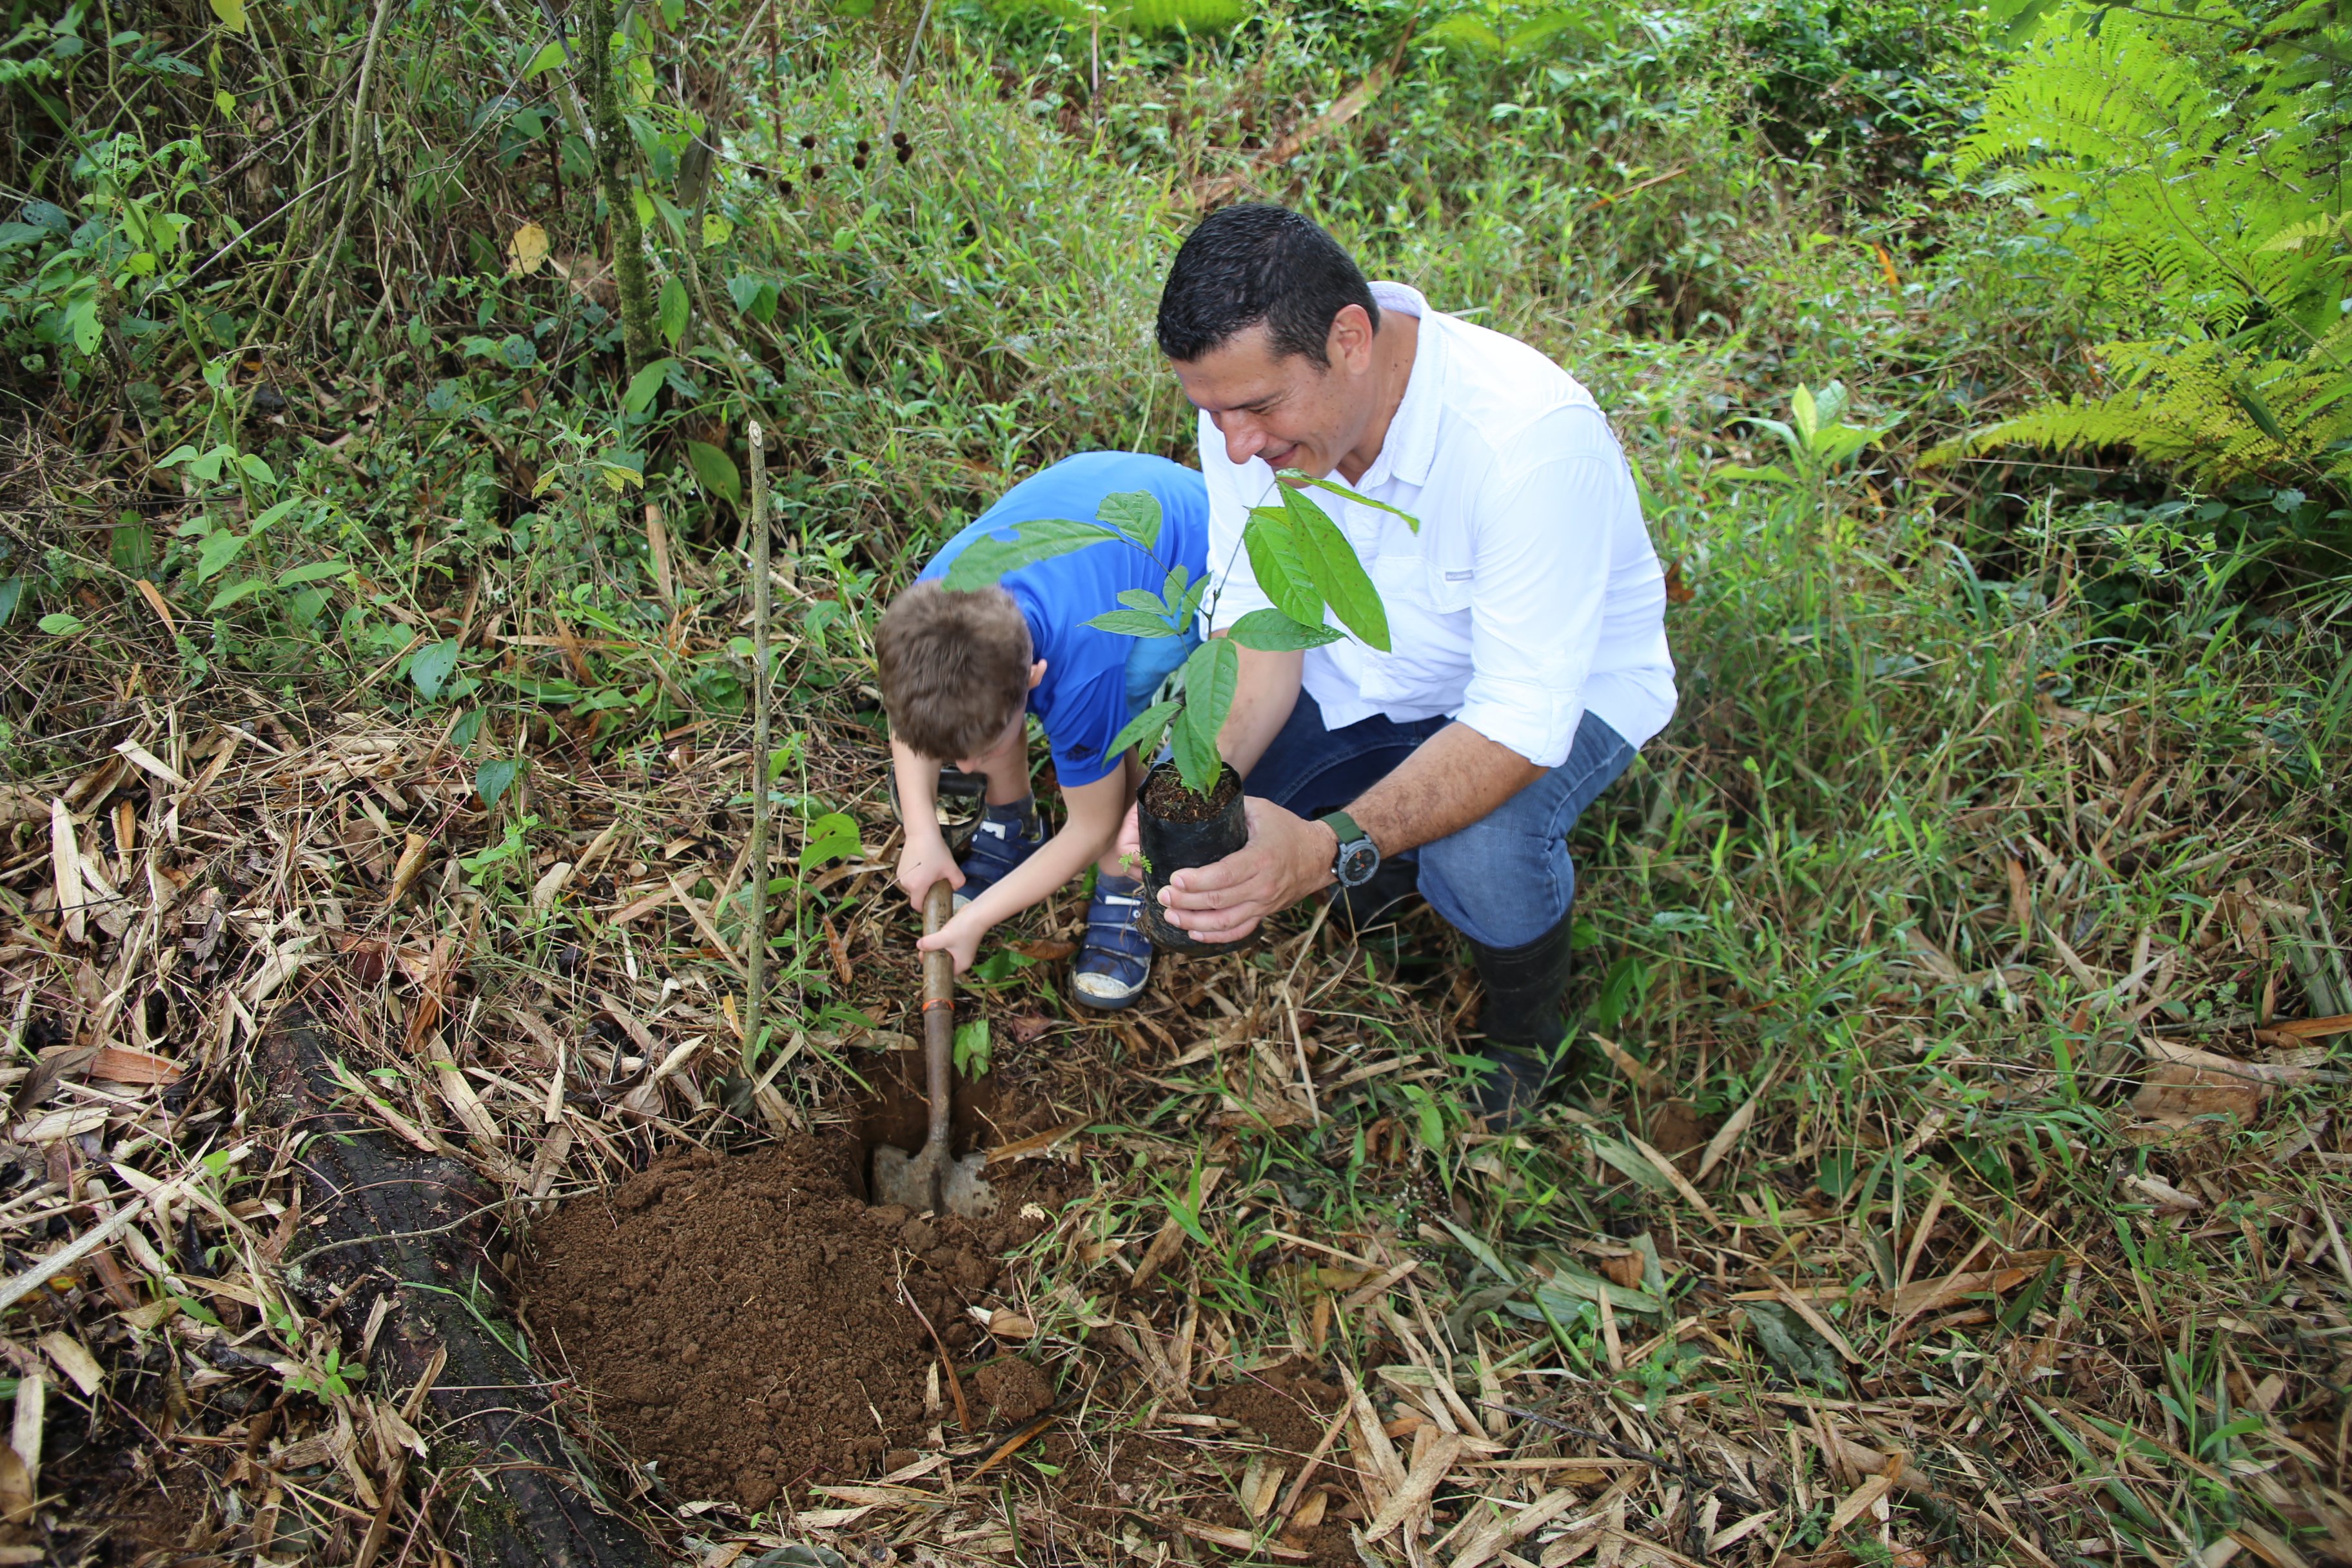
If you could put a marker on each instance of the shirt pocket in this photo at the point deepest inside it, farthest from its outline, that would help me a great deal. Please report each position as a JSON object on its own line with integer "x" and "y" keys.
{"x": 1421, "y": 667}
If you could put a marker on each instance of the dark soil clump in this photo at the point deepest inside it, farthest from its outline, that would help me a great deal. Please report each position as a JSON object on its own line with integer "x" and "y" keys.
{"x": 1009, "y": 1391}
{"x": 1165, "y": 797}
{"x": 1288, "y": 1404}
{"x": 737, "y": 1320}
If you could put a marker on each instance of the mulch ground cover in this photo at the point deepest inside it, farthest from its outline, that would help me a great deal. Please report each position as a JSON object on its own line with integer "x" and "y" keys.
{"x": 1253, "y": 1295}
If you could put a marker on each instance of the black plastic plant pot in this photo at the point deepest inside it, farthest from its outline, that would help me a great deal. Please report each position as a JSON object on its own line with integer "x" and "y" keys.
{"x": 1181, "y": 832}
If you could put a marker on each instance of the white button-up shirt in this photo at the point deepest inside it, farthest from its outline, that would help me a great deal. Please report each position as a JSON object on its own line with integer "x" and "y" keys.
{"x": 1530, "y": 595}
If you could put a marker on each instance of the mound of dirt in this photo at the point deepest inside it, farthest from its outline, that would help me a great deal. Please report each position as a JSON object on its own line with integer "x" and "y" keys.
{"x": 1287, "y": 1405}
{"x": 738, "y": 1321}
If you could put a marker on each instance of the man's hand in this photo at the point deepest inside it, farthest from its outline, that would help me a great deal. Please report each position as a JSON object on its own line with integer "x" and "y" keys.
{"x": 960, "y": 937}
{"x": 921, "y": 864}
{"x": 1286, "y": 859}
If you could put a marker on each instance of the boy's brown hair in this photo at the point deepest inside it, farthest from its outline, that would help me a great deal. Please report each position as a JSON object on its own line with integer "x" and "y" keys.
{"x": 955, "y": 668}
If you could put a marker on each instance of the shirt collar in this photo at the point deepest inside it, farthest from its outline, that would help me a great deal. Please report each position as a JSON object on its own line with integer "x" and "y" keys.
{"x": 1410, "y": 445}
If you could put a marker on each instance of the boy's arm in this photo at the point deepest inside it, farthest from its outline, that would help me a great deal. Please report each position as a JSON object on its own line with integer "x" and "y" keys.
{"x": 926, "y": 858}
{"x": 1093, "y": 817}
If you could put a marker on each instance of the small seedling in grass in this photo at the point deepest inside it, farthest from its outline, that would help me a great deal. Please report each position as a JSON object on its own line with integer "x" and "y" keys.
{"x": 1301, "y": 560}
{"x": 479, "y": 865}
{"x": 326, "y": 1383}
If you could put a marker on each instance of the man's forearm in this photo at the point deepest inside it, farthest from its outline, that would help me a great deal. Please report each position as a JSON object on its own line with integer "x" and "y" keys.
{"x": 1264, "y": 695}
{"x": 1452, "y": 780}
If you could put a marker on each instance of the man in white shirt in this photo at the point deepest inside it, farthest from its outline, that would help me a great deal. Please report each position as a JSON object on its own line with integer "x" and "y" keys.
{"x": 1527, "y": 615}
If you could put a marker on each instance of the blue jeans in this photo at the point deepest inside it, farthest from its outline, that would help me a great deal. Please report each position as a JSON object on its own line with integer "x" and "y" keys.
{"x": 1504, "y": 881}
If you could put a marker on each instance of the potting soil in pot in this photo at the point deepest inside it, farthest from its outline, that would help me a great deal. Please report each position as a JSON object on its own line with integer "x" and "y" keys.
{"x": 737, "y": 1320}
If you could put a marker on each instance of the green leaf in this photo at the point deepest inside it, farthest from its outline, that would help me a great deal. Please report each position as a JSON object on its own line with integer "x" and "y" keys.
{"x": 987, "y": 558}
{"x": 831, "y": 837}
{"x": 646, "y": 385}
{"x": 1772, "y": 473}
{"x": 256, "y": 471}
{"x": 1807, "y": 415}
{"x": 1279, "y": 565}
{"x": 672, "y": 311}
{"x": 12, "y": 592}
{"x": 317, "y": 571}
{"x": 1197, "y": 764}
{"x": 1476, "y": 1246}
{"x": 716, "y": 469}
{"x": 1337, "y": 488}
{"x": 431, "y": 667}
{"x": 547, "y": 60}
{"x": 61, "y": 623}
{"x": 495, "y": 776}
{"x": 1271, "y": 631}
{"x": 1133, "y": 624}
{"x": 1569, "y": 1284}
{"x": 231, "y": 14}
{"x": 1210, "y": 675}
{"x": 234, "y": 593}
{"x": 971, "y": 1048}
{"x": 1144, "y": 726}
{"x": 1630, "y": 1161}
{"x": 216, "y": 553}
{"x": 1143, "y": 599}
{"x": 1135, "y": 513}
{"x": 273, "y": 515}
{"x": 1339, "y": 576}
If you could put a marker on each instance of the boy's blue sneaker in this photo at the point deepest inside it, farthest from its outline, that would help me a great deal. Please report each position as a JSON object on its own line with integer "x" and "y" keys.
{"x": 1004, "y": 836}
{"x": 1114, "y": 964}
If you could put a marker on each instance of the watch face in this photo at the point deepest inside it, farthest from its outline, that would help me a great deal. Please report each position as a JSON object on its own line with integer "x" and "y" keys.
{"x": 1358, "y": 860}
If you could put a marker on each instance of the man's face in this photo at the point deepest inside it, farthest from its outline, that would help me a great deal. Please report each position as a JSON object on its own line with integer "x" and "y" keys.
{"x": 1284, "y": 408}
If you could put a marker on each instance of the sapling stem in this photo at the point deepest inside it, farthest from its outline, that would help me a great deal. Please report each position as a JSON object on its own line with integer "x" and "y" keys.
{"x": 755, "y": 961}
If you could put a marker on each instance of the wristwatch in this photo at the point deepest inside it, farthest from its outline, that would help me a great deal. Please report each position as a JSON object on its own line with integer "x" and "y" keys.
{"x": 1358, "y": 858}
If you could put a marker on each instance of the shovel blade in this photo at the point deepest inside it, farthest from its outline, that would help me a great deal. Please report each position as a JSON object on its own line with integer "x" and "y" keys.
{"x": 964, "y": 1190}
{"x": 910, "y": 1181}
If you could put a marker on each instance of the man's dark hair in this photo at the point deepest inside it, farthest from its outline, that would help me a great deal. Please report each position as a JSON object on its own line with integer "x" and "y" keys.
{"x": 1256, "y": 263}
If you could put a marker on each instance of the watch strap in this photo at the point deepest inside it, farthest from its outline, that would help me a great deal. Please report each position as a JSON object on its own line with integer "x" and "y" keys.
{"x": 1344, "y": 826}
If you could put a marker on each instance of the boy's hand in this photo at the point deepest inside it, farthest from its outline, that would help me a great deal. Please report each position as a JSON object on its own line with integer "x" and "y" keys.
{"x": 960, "y": 937}
{"x": 920, "y": 865}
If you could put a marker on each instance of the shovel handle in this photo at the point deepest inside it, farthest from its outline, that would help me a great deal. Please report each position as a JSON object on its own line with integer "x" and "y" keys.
{"x": 939, "y": 1011}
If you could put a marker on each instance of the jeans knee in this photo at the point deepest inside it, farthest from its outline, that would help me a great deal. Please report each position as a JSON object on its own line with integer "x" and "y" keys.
{"x": 1498, "y": 886}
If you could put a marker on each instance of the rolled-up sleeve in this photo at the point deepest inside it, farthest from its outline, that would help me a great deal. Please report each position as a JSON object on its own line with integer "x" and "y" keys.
{"x": 1541, "y": 563}
{"x": 1233, "y": 591}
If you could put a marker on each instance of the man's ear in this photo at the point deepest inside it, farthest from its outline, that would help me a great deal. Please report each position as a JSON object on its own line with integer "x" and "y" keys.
{"x": 1037, "y": 674}
{"x": 1348, "y": 344}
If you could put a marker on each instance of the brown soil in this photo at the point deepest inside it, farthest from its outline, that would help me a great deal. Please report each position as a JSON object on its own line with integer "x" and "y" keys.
{"x": 737, "y": 1320}
{"x": 1008, "y": 1390}
{"x": 1676, "y": 1126}
{"x": 1288, "y": 1406}
{"x": 1165, "y": 797}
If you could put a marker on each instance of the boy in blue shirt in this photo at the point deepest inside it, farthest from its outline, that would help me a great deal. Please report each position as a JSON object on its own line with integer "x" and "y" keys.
{"x": 961, "y": 672}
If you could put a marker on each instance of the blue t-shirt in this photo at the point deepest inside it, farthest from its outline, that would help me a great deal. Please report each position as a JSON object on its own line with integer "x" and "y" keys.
{"x": 1084, "y": 701}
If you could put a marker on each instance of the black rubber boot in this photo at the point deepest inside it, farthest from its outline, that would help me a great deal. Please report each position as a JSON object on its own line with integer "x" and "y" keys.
{"x": 1525, "y": 1027}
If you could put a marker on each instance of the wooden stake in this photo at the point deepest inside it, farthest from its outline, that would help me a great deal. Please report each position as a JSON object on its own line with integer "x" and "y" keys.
{"x": 756, "y": 960}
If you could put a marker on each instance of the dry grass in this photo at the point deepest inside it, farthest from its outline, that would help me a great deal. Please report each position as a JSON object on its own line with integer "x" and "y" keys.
{"x": 1937, "y": 1367}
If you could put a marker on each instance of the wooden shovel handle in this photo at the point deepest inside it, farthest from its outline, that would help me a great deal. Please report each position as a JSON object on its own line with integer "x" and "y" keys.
{"x": 939, "y": 1011}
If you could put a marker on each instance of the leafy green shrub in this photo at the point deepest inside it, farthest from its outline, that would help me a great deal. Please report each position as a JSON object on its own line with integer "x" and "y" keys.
{"x": 2190, "y": 169}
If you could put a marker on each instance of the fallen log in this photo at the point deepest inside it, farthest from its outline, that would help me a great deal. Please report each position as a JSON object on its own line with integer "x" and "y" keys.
{"x": 384, "y": 1221}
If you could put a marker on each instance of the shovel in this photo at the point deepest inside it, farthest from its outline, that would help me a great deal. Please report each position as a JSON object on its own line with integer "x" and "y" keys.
{"x": 932, "y": 1179}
